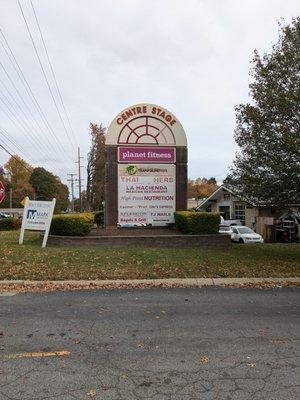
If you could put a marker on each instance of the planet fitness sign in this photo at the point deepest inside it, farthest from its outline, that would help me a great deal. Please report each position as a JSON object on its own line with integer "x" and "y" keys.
{"x": 146, "y": 151}
{"x": 146, "y": 155}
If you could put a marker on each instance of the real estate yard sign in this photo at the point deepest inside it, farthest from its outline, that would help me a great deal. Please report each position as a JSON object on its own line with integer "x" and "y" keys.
{"x": 37, "y": 216}
{"x": 146, "y": 194}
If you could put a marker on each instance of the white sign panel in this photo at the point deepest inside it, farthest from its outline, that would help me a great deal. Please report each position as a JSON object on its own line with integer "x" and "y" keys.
{"x": 146, "y": 194}
{"x": 37, "y": 216}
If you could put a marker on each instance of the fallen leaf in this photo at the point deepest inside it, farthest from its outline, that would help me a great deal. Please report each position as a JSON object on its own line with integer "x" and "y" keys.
{"x": 91, "y": 393}
{"x": 204, "y": 360}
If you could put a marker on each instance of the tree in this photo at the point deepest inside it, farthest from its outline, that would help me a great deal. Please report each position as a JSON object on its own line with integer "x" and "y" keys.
{"x": 47, "y": 186}
{"x": 201, "y": 187}
{"x": 96, "y": 168}
{"x": 19, "y": 172}
{"x": 62, "y": 197}
{"x": 84, "y": 203}
{"x": 7, "y": 185}
{"x": 267, "y": 167}
{"x": 44, "y": 184}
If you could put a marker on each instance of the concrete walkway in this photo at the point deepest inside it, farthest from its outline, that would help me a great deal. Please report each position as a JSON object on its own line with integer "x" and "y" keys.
{"x": 25, "y": 285}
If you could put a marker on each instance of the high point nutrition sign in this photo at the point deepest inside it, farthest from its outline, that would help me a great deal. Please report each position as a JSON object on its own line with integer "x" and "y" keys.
{"x": 147, "y": 138}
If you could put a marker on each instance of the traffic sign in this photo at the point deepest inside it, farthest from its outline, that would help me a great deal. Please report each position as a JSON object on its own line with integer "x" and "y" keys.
{"x": 2, "y": 192}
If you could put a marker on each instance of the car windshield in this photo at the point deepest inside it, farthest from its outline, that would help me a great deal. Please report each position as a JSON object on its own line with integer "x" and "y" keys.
{"x": 244, "y": 229}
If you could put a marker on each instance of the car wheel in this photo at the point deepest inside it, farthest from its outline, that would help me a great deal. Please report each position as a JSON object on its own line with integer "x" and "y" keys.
{"x": 241, "y": 240}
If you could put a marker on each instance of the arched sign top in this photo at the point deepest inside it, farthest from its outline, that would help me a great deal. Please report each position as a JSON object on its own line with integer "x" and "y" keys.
{"x": 146, "y": 124}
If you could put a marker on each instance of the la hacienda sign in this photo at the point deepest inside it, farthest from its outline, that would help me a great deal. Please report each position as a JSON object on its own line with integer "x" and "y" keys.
{"x": 146, "y": 167}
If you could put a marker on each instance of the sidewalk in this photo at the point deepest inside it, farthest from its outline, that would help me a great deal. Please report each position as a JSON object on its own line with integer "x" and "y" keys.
{"x": 29, "y": 286}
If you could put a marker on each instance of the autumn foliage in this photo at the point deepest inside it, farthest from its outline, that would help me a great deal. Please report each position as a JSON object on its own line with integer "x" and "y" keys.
{"x": 201, "y": 188}
{"x": 95, "y": 168}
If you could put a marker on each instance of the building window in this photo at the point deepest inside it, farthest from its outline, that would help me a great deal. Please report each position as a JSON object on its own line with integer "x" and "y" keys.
{"x": 239, "y": 210}
{"x": 226, "y": 196}
{"x": 225, "y": 211}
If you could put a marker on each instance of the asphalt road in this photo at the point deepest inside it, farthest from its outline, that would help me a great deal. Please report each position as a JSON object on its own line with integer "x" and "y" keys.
{"x": 159, "y": 344}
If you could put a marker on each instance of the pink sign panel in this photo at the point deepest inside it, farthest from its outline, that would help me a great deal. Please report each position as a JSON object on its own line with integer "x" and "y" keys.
{"x": 152, "y": 155}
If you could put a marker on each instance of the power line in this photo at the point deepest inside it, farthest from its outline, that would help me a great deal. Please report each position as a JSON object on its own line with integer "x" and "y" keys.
{"x": 52, "y": 70}
{"x": 23, "y": 123}
{"x": 8, "y": 146}
{"x": 13, "y": 117}
{"x": 10, "y": 79}
{"x": 30, "y": 93}
{"x": 15, "y": 158}
{"x": 22, "y": 99}
{"x": 44, "y": 74}
{"x": 16, "y": 122}
{"x": 6, "y": 135}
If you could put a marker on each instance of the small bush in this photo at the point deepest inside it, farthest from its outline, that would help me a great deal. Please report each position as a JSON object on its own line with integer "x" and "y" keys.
{"x": 99, "y": 218}
{"x": 9, "y": 224}
{"x": 197, "y": 223}
{"x": 72, "y": 224}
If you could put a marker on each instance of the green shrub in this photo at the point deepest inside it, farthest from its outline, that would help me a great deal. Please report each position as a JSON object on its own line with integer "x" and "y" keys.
{"x": 8, "y": 224}
{"x": 197, "y": 223}
{"x": 99, "y": 218}
{"x": 72, "y": 224}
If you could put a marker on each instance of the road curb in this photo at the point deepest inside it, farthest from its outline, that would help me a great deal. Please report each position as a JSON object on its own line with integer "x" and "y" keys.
{"x": 25, "y": 285}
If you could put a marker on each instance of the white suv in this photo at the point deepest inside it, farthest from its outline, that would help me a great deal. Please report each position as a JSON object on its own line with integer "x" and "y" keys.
{"x": 243, "y": 234}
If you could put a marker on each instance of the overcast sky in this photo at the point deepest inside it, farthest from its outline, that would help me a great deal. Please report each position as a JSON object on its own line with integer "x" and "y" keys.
{"x": 189, "y": 56}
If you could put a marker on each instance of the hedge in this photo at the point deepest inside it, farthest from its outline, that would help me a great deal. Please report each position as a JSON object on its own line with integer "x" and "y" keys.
{"x": 72, "y": 224}
{"x": 8, "y": 224}
{"x": 197, "y": 223}
{"x": 99, "y": 218}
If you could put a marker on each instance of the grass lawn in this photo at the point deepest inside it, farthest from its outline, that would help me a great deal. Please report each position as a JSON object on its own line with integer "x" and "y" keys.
{"x": 30, "y": 261}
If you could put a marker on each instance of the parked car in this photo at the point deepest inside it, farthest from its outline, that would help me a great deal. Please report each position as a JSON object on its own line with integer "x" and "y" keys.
{"x": 230, "y": 222}
{"x": 243, "y": 234}
{"x": 225, "y": 230}
{"x": 3, "y": 215}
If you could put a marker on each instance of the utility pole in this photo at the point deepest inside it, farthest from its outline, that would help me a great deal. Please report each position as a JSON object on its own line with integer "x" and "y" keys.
{"x": 10, "y": 198}
{"x": 72, "y": 187}
{"x": 79, "y": 178}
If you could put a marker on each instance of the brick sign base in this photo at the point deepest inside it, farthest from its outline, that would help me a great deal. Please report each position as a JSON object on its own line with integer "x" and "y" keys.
{"x": 207, "y": 242}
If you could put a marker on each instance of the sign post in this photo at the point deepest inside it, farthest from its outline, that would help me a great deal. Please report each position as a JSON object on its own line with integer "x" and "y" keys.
{"x": 37, "y": 216}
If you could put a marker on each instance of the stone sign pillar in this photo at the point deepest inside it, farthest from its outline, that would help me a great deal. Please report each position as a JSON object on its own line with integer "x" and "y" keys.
{"x": 145, "y": 167}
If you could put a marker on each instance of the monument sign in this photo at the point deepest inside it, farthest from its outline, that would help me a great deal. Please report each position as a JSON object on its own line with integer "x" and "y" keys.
{"x": 146, "y": 167}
